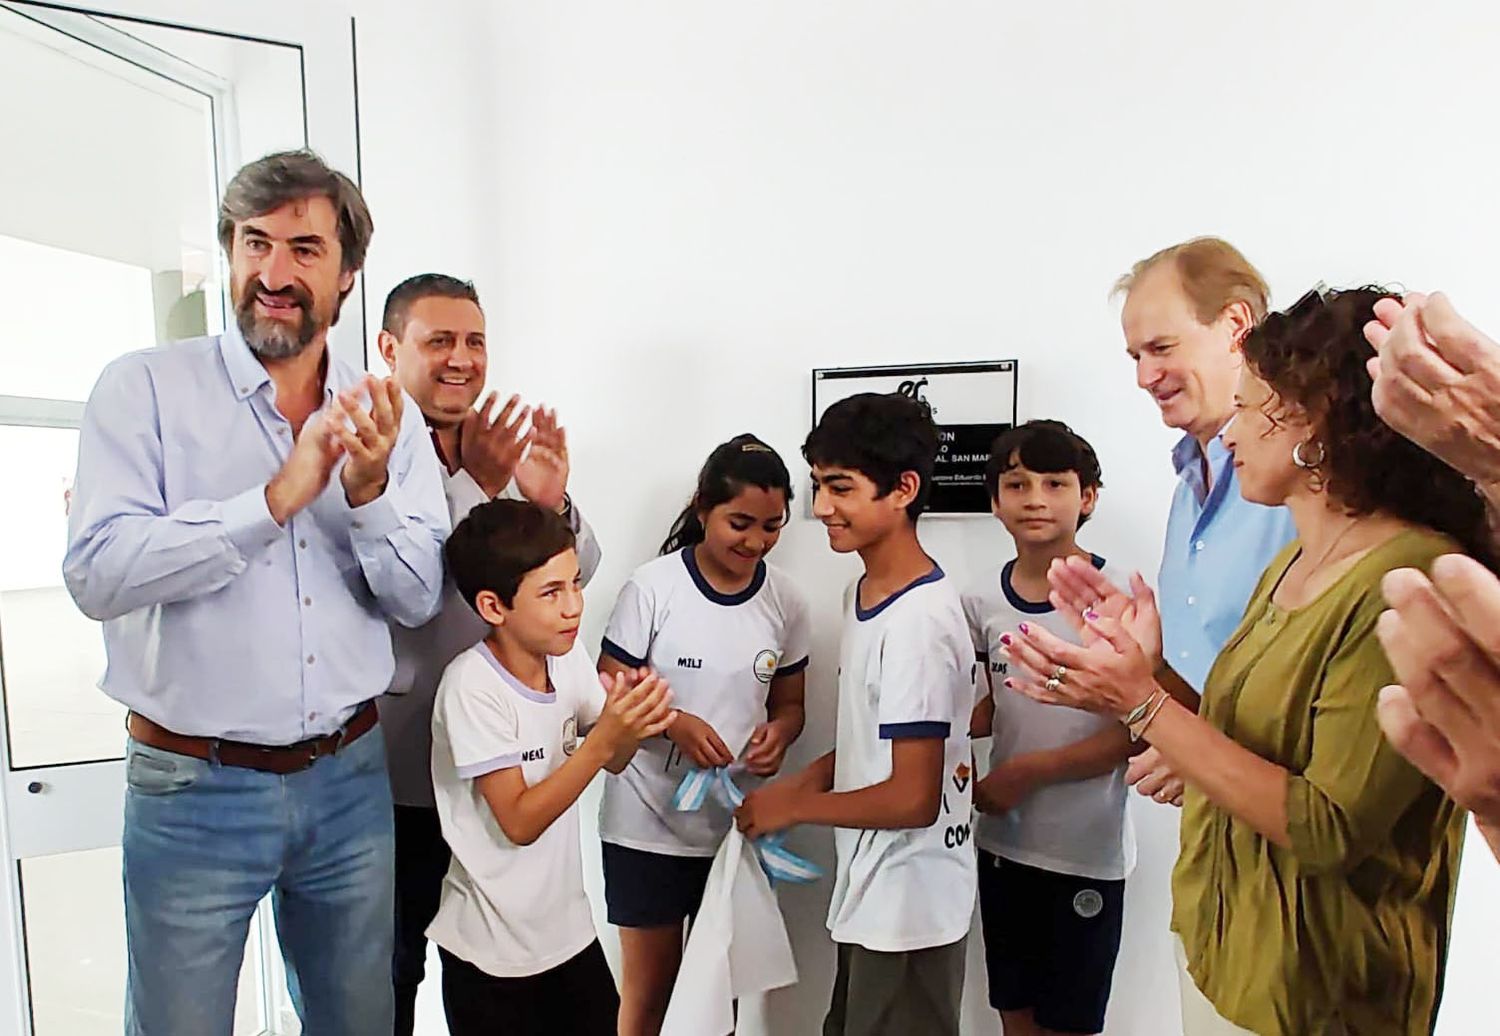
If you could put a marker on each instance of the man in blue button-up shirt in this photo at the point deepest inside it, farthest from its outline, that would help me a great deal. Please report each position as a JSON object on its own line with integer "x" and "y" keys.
{"x": 249, "y": 512}
{"x": 1187, "y": 308}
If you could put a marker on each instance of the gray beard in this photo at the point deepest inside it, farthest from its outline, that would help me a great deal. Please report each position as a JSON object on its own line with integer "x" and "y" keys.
{"x": 275, "y": 341}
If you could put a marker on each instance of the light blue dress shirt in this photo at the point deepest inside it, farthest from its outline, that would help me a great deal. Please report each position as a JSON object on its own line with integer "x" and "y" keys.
{"x": 217, "y": 621}
{"x": 1218, "y": 544}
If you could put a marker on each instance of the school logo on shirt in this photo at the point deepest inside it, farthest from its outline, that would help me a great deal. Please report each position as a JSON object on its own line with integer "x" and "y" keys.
{"x": 961, "y": 776}
{"x": 765, "y": 666}
{"x": 570, "y": 735}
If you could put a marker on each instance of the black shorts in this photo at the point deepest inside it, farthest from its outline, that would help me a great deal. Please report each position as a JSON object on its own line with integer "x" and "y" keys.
{"x": 577, "y": 997}
{"x": 1050, "y": 942}
{"x": 644, "y": 890}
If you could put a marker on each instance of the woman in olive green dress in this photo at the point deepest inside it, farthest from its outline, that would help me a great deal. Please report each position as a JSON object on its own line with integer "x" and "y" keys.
{"x": 1314, "y": 888}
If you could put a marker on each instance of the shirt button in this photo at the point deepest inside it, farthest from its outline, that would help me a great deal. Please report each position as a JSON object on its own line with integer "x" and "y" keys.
{"x": 355, "y": 524}
{"x": 307, "y": 602}
{"x": 310, "y": 659}
{"x": 311, "y": 716}
{"x": 1192, "y": 599}
{"x": 1198, "y": 545}
{"x": 302, "y": 544}
{"x": 1182, "y": 654}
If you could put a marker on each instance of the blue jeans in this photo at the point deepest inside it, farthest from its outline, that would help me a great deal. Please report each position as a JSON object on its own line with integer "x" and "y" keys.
{"x": 204, "y": 843}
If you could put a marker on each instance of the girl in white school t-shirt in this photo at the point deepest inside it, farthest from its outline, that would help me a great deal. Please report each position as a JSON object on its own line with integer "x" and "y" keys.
{"x": 729, "y": 633}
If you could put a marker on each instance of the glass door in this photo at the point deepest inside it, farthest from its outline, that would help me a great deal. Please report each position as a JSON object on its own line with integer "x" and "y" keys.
{"x": 121, "y": 128}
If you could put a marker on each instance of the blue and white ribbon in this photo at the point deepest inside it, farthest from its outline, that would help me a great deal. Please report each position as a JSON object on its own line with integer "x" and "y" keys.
{"x": 779, "y": 862}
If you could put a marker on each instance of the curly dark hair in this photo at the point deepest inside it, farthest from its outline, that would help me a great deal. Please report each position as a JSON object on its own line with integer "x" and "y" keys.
{"x": 1312, "y": 356}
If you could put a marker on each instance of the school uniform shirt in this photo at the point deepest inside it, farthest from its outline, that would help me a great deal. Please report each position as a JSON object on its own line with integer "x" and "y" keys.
{"x": 719, "y": 652}
{"x": 1073, "y": 827}
{"x": 906, "y": 669}
{"x": 510, "y": 910}
{"x": 424, "y": 652}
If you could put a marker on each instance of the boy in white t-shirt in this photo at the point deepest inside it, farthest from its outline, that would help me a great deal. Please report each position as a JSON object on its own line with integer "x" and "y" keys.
{"x": 897, "y": 785}
{"x": 519, "y": 950}
{"x": 1055, "y": 843}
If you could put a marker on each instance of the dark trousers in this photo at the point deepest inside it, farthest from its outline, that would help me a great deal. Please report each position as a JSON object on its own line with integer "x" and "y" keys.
{"x": 576, "y": 998}
{"x": 421, "y": 862}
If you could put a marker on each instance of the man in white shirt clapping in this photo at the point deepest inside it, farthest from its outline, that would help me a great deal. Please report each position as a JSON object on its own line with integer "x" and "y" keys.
{"x": 433, "y": 339}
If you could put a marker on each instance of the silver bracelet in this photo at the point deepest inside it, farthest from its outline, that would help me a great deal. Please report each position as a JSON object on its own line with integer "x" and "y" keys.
{"x": 1136, "y": 735}
{"x": 1135, "y": 714}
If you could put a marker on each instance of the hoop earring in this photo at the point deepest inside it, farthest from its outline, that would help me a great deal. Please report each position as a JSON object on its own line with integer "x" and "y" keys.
{"x": 1305, "y": 464}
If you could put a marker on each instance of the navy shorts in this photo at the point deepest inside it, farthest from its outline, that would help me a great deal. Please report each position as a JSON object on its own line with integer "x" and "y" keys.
{"x": 1050, "y": 942}
{"x": 644, "y": 890}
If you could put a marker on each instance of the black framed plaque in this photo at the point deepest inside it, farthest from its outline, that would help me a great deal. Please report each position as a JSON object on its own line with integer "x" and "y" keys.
{"x": 971, "y": 403}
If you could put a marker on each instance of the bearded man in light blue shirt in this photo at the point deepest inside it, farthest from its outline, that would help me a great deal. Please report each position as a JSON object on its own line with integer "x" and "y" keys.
{"x": 249, "y": 513}
{"x": 1187, "y": 308}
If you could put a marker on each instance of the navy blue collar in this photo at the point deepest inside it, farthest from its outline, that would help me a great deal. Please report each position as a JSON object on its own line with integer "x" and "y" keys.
{"x": 865, "y": 615}
{"x": 706, "y": 589}
{"x": 1020, "y": 603}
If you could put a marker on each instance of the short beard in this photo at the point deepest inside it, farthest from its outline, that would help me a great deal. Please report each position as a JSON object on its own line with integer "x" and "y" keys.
{"x": 271, "y": 339}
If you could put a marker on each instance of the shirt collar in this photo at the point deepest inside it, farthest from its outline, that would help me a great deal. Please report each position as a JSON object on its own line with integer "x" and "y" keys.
{"x": 1187, "y": 452}
{"x": 246, "y": 373}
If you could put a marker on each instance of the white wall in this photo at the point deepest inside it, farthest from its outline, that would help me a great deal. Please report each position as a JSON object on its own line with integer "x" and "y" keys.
{"x": 675, "y": 209}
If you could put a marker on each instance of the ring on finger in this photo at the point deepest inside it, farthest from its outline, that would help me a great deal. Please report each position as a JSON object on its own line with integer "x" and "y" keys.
{"x": 1060, "y": 673}
{"x": 1052, "y": 684}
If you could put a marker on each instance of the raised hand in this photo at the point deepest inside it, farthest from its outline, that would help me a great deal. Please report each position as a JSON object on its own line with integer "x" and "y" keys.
{"x": 490, "y": 446}
{"x": 367, "y": 436}
{"x": 1437, "y": 382}
{"x": 635, "y": 707}
{"x": 543, "y": 476}
{"x": 1442, "y": 636}
{"x": 1111, "y": 675}
{"x": 308, "y": 467}
{"x": 1077, "y": 586}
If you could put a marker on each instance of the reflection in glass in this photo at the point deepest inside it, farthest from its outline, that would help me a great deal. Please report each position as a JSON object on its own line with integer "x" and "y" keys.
{"x": 75, "y": 948}
{"x": 51, "y": 655}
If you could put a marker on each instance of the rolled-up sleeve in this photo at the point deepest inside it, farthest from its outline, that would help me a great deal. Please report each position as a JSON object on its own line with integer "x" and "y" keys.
{"x": 1356, "y": 787}
{"x": 398, "y": 537}
{"x": 125, "y": 549}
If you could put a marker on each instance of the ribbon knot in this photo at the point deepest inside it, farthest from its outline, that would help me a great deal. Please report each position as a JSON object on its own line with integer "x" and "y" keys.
{"x": 779, "y": 862}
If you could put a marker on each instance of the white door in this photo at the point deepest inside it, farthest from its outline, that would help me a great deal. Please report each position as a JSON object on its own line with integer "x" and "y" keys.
{"x": 121, "y": 126}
